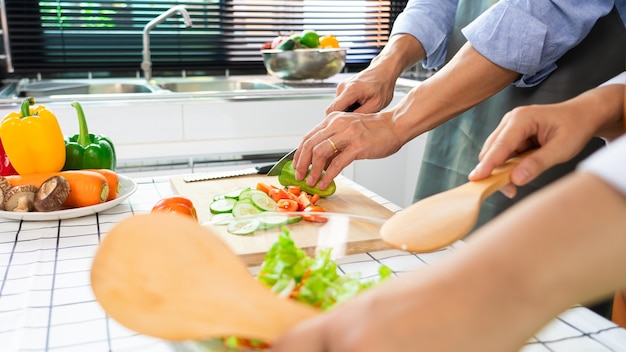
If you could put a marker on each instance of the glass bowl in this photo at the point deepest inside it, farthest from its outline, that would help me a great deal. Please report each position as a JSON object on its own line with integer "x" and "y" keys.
{"x": 335, "y": 233}
{"x": 303, "y": 64}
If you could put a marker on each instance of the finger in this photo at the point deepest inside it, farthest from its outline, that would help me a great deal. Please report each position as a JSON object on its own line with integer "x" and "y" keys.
{"x": 508, "y": 142}
{"x": 537, "y": 162}
{"x": 509, "y": 190}
{"x": 337, "y": 164}
{"x": 303, "y": 156}
{"x": 323, "y": 153}
{"x": 334, "y": 169}
{"x": 344, "y": 100}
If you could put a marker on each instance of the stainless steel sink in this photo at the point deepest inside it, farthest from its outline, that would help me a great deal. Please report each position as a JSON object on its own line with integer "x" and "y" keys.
{"x": 212, "y": 84}
{"x": 109, "y": 88}
{"x": 46, "y": 88}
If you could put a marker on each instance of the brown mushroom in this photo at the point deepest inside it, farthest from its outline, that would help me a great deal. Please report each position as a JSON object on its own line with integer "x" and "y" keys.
{"x": 52, "y": 194}
{"x": 5, "y": 186}
{"x": 20, "y": 198}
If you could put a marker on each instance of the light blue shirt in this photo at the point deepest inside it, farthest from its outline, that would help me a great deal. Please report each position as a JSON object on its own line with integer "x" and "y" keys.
{"x": 520, "y": 35}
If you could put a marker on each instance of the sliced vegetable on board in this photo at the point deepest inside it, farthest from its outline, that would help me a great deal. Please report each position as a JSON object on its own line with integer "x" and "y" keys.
{"x": 287, "y": 178}
{"x": 235, "y": 208}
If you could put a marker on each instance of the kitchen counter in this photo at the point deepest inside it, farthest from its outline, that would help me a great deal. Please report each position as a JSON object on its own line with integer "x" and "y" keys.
{"x": 46, "y": 303}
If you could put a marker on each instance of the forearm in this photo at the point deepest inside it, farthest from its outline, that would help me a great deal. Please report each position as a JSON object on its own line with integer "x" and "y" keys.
{"x": 401, "y": 53}
{"x": 452, "y": 90}
{"x": 562, "y": 246}
{"x": 605, "y": 105}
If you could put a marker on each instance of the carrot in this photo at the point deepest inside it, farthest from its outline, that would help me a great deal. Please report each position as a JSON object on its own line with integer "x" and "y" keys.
{"x": 112, "y": 179}
{"x": 86, "y": 187}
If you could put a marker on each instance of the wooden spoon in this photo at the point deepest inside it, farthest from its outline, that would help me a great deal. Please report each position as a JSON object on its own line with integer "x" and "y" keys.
{"x": 440, "y": 220}
{"x": 164, "y": 275}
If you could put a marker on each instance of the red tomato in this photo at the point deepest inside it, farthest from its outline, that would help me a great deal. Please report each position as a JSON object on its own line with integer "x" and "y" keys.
{"x": 278, "y": 194}
{"x": 293, "y": 189}
{"x": 293, "y": 196}
{"x": 315, "y": 198}
{"x": 264, "y": 187}
{"x": 286, "y": 205}
{"x": 314, "y": 217}
{"x": 176, "y": 204}
{"x": 304, "y": 201}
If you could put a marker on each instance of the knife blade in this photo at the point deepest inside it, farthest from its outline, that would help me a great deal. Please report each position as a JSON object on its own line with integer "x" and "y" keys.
{"x": 213, "y": 175}
{"x": 275, "y": 170}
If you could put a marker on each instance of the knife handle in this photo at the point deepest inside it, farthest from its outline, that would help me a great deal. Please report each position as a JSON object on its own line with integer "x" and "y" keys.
{"x": 263, "y": 170}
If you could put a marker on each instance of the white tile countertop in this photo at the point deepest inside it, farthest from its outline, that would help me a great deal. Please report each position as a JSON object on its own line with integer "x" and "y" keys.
{"x": 46, "y": 303}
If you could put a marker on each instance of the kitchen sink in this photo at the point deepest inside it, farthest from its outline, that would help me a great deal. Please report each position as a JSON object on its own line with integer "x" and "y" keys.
{"x": 158, "y": 87}
{"x": 47, "y": 88}
{"x": 211, "y": 84}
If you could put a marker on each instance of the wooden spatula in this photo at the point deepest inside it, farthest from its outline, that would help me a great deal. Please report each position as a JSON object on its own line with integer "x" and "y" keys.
{"x": 440, "y": 220}
{"x": 164, "y": 275}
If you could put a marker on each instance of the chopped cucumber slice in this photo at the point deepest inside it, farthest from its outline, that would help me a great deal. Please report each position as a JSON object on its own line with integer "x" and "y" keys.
{"x": 263, "y": 201}
{"x": 224, "y": 205}
{"x": 243, "y": 226}
{"x": 236, "y": 193}
{"x": 245, "y": 194}
{"x": 294, "y": 219}
{"x": 272, "y": 221}
{"x": 244, "y": 207}
{"x": 222, "y": 219}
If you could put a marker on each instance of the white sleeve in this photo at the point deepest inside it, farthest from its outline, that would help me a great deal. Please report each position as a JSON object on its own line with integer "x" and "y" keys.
{"x": 619, "y": 79}
{"x": 609, "y": 164}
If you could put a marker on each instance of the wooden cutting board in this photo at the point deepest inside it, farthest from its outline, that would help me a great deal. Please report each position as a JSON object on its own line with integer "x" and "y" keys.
{"x": 306, "y": 235}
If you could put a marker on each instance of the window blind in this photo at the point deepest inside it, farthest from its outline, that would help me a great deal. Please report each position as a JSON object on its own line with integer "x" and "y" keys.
{"x": 66, "y": 37}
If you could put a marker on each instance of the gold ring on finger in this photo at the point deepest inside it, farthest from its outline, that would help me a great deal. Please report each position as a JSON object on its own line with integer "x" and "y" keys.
{"x": 335, "y": 150}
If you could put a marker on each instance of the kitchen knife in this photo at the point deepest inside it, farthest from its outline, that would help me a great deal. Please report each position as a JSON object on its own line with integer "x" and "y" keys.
{"x": 205, "y": 176}
{"x": 275, "y": 170}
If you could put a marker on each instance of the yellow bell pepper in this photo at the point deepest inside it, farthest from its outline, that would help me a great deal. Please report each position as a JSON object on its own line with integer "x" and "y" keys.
{"x": 33, "y": 139}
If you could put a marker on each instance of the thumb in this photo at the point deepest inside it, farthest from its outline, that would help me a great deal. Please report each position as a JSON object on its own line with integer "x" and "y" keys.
{"x": 535, "y": 164}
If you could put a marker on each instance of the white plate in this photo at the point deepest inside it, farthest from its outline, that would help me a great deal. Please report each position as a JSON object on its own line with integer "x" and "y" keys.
{"x": 128, "y": 188}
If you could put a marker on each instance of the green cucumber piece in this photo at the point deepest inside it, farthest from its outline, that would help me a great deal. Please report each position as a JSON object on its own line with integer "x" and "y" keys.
{"x": 246, "y": 194}
{"x": 235, "y": 194}
{"x": 245, "y": 207}
{"x": 222, "y": 219}
{"x": 224, "y": 205}
{"x": 294, "y": 219}
{"x": 272, "y": 221}
{"x": 263, "y": 201}
{"x": 243, "y": 226}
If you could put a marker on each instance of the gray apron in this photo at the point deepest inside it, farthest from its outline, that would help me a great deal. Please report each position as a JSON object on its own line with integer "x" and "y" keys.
{"x": 452, "y": 148}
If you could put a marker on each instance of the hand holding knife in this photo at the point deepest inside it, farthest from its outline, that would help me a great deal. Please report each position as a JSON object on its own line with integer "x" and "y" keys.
{"x": 270, "y": 170}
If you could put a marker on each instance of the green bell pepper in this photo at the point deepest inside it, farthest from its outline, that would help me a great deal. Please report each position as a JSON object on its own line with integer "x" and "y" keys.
{"x": 86, "y": 150}
{"x": 287, "y": 177}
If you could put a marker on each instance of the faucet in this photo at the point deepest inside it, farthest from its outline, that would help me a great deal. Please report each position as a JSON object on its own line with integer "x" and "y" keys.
{"x": 146, "y": 64}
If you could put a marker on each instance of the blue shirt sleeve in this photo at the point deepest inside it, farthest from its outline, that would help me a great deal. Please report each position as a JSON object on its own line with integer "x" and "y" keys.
{"x": 431, "y": 23}
{"x": 530, "y": 36}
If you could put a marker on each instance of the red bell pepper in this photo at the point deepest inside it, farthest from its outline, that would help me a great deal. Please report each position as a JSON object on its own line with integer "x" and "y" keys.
{"x": 6, "y": 169}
